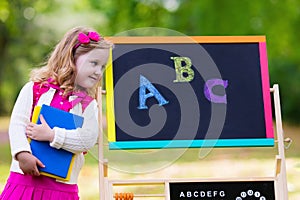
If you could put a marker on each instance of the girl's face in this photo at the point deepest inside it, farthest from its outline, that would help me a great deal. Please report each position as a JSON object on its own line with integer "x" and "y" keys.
{"x": 90, "y": 67}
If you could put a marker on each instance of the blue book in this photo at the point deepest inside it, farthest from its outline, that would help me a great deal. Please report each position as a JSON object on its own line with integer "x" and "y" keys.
{"x": 58, "y": 162}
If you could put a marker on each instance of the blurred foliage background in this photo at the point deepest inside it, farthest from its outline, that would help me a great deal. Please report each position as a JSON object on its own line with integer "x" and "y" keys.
{"x": 31, "y": 28}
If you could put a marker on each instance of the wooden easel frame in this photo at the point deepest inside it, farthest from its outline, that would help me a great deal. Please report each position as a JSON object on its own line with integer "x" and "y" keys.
{"x": 281, "y": 192}
{"x": 280, "y": 169}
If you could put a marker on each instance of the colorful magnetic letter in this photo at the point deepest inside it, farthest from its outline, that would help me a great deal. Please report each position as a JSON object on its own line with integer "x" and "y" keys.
{"x": 184, "y": 73}
{"x": 209, "y": 84}
{"x": 153, "y": 92}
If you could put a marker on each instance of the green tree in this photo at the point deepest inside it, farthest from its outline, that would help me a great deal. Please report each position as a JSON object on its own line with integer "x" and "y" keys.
{"x": 20, "y": 46}
{"x": 278, "y": 20}
{"x": 30, "y": 28}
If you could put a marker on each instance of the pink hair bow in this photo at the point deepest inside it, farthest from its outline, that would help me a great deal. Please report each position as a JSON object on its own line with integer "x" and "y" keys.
{"x": 86, "y": 39}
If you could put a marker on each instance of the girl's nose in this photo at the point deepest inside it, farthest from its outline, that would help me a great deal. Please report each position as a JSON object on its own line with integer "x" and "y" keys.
{"x": 98, "y": 70}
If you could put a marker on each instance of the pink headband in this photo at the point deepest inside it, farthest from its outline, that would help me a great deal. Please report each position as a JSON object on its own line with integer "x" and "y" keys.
{"x": 86, "y": 39}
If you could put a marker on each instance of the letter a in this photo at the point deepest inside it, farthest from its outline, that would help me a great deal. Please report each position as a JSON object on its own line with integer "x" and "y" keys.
{"x": 183, "y": 73}
{"x": 153, "y": 92}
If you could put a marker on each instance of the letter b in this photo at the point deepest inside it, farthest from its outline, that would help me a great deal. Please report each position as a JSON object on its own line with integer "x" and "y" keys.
{"x": 184, "y": 73}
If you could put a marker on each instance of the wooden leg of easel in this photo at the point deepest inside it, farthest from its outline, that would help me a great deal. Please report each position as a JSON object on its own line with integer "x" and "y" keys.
{"x": 281, "y": 183}
{"x": 110, "y": 191}
{"x": 278, "y": 166}
{"x": 101, "y": 164}
{"x": 167, "y": 190}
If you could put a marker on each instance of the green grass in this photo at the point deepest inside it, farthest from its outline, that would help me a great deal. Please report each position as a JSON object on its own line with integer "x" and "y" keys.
{"x": 218, "y": 163}
{"x": 4, "y": 121}
{"x": 5, "y": 156}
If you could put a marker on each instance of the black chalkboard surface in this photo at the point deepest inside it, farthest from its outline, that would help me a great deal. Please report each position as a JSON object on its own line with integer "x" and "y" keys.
{"x": 173, "y": 92}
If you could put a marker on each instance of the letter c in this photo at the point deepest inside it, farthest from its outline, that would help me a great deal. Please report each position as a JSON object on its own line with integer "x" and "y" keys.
{"x": 209, "y": 93}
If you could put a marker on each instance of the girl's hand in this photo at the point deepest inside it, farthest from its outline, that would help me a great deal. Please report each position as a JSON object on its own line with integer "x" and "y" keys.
{"x": 40, "y": 132}
{"x": 29, "y": 163}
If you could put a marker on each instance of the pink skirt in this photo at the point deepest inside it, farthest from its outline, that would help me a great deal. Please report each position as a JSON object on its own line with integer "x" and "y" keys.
{"x": 27, "y": 187}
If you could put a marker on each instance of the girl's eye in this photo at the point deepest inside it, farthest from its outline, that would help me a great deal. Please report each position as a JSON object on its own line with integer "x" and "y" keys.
{"x": 94, "y": 63}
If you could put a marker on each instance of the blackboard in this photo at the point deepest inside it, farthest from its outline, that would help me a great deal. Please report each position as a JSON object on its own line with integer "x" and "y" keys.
{"x": 178, "y": 92}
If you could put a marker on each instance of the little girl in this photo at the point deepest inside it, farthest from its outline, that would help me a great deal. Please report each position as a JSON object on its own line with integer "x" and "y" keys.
{"x": 68, "y": 81}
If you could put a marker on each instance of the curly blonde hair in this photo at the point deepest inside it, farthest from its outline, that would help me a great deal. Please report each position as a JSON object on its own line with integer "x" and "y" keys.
{"x": 60, "y": 65}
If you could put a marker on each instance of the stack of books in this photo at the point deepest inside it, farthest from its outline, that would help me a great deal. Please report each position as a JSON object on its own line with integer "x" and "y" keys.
{"x": 58, "y": 162}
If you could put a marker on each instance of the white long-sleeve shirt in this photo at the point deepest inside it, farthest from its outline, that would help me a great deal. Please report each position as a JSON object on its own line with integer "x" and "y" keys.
{"x": 75, "y": 141}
